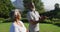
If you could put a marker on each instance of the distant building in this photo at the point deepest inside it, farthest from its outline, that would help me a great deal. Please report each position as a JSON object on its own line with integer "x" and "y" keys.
{"x": 18, "y": 4}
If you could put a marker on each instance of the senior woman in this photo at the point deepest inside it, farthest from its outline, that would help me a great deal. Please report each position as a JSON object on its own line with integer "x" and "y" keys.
{"x": 17, "y": 24}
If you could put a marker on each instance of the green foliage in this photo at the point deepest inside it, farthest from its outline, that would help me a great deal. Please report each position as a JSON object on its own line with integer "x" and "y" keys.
{"x": 24, "y": 20}
{"x": 2, "y": 20}
{"x": 5, "y": 8}
{"x": 38, "y": 4}
{"x": 54, "y": 13}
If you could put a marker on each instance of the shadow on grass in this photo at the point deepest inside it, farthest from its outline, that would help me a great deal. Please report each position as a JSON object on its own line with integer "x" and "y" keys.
{"x": 26, "y": 21}
{"x": 7, "y": 21}
{"x": 46, "y": 22}
{"x": 57, "y": 24}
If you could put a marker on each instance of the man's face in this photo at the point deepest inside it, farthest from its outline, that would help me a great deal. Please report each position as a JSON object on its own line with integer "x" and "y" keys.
{"x": 32, "y": 7}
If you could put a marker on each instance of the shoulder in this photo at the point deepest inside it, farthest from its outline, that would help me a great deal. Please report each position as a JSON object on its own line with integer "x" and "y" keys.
{"x": 37, "y": 12}
{"x": 29, "y": 12}
{"x": 13, "y": 25}
{"x": 21, "y": 22}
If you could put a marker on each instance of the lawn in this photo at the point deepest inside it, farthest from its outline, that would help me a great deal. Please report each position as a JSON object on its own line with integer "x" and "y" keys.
{"x": 4, "y": 27}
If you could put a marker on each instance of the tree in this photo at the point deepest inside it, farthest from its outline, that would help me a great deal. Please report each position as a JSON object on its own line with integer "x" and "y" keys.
{"x": 38, "y": 4}
{"x": 5, "y": 8}
{"x": 53, "y": 13}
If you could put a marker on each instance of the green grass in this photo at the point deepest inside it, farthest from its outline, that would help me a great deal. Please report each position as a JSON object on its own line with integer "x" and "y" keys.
{"x": 4, "y": 27}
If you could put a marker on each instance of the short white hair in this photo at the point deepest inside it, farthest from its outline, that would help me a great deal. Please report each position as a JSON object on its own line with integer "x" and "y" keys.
{"x": 13, "y": 11}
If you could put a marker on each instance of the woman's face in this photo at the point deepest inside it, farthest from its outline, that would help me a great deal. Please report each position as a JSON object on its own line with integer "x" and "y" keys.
{"x": 17, "y": 15}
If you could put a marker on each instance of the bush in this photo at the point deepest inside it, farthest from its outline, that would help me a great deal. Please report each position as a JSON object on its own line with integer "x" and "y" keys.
{"x": 24, "y": 19}
{"x": 53, "y": 21}
{"x": 2, "y": 20}
{"x": 5, "y": 8}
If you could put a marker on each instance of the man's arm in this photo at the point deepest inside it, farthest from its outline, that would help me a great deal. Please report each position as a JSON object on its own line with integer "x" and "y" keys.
{"x": 34, "y": 22}
{"x": 31, "y": 19}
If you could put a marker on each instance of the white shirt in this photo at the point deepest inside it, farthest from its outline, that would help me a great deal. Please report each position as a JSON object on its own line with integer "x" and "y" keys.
{"x": 17, "y": 28}
{"x": 31, "y": 15}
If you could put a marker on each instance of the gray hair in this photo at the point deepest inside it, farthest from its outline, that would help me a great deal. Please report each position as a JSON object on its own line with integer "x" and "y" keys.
{"x": 13, "y": 11}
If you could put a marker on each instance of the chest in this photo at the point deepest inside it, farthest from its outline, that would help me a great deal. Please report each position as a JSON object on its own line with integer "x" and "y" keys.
{"x": 21, "y": 29}
{"x": 35, "y": 14}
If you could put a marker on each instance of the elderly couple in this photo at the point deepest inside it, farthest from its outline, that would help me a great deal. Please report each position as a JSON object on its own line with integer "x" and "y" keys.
{"x": 32, "y": 16}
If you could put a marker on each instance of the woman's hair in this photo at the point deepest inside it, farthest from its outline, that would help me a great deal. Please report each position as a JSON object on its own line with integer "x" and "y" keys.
{"x": 14, "y": 13}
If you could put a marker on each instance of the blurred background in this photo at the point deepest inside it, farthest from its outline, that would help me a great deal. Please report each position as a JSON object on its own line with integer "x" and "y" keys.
{"x": 48, "y": 8}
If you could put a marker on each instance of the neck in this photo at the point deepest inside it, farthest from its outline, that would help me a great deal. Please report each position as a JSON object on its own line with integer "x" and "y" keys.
{"x": 32, "y": 10}
{"x": 16, "y": 20}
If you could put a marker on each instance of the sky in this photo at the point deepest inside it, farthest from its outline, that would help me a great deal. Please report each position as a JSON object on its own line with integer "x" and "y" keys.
{"x": 48, "y": 4}
{"x": 12, "y": 0}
